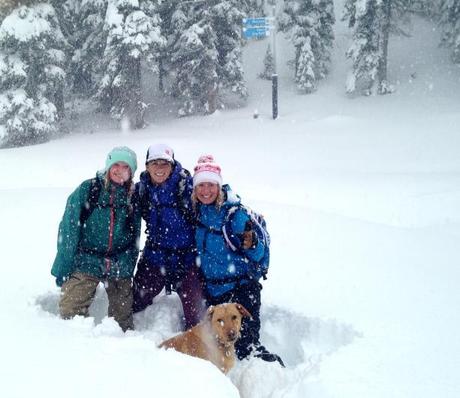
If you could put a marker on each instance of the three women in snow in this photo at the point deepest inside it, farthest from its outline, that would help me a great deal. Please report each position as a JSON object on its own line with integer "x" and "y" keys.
{"x": 185, "y": 250}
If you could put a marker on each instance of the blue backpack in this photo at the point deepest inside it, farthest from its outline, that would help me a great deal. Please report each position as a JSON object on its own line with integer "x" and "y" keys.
{"x": 259, "y": 226}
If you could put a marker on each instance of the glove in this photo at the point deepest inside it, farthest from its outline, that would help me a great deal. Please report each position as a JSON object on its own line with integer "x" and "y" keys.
{"x": 60, "y": 280}
{"x": 250, "y": 240}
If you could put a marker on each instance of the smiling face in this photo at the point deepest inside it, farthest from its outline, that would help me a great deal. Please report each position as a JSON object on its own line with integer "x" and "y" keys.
{"x": 207, "y": 192}
{"x": 119, "y": 173}
{"x": 159, "y": 170}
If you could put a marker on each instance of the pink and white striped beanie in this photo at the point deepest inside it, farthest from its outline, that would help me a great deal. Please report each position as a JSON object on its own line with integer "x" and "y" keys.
{"x": 207, "y": 170}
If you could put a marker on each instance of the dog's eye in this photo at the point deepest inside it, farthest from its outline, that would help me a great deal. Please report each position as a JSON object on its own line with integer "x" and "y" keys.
{"x": 220, "y": 322}
{"x": 234, "y": 318}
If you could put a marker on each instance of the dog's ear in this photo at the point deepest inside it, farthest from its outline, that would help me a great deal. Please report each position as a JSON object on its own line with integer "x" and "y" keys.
{"x": 243, "y": 311}
{"x": 209, "y": 313}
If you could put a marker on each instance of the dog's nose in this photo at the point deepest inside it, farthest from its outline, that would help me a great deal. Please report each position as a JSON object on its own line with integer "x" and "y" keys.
{"x": 231, "y": 334}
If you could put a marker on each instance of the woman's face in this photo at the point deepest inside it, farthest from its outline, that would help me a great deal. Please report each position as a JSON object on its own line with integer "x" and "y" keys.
{"x": 119, "y": 173}
{"x": 207, "y": 192}
{"x": 159, "y": 170}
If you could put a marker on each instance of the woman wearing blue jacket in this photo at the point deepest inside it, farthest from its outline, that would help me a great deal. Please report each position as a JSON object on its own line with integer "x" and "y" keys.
{"x": 168, "y": 259}
{"x": 229, "y": 275}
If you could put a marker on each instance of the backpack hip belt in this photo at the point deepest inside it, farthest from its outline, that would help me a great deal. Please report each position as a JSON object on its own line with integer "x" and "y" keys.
{"x": 111, "y": 255}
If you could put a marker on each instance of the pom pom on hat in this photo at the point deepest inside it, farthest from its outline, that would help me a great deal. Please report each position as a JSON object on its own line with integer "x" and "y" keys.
{"x": 207, "y": 170}
{"x": 122, "y": 154}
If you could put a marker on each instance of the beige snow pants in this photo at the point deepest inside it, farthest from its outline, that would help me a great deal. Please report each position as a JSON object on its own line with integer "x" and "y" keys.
{"x": 79, "y": 291}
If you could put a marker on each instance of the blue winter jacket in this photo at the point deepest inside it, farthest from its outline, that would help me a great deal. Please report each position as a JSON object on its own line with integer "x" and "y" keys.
{"x": 221, "y": 267}
{"x": 167, "y": 211}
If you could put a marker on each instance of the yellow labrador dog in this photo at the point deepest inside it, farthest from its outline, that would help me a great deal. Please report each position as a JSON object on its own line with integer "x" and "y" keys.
{"x": 214, "y": 337}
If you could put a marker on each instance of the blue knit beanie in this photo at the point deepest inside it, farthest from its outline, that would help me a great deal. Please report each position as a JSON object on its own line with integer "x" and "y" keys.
{"x": 122, "y": 154}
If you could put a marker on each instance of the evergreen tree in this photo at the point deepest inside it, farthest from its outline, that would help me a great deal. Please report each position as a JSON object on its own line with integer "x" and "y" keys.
{"x": 206, "y": 54}
{"x": 254, "y": 8}
{"x": 82, "y": 23}
{"x": 305, "y": 76}
{"x": 195, "y": 65}
{"x": 373, "y": 21}
{"x": 227, "y": 20}
{"x": 309, "y": 23}
{"x": 173, "y": 23}
{"x": 269, "y": 65}
{"x": 450, "y": 22}
{"x": 32, "y": 75}
{"x": 325, "y": 24}
{"x": 426, "y": 8}
{"x": 133, "y": 38}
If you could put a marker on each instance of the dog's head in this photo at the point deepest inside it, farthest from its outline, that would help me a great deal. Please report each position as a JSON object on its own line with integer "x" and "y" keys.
{"x": 225, "y": 320}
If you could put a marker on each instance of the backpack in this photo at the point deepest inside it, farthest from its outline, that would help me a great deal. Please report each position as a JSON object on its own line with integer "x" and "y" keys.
{"x": 259, "y": 226}
{"x": 92, "y": 202}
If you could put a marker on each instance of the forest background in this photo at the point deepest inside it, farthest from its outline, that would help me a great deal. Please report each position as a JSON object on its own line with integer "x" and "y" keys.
{"x": 62, "y": 59}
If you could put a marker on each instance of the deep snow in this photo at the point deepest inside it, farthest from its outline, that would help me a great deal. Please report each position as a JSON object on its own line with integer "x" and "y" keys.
{"x": 361, "y": 196}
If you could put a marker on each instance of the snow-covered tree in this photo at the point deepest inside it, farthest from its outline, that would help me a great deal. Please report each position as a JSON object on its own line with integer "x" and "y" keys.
{"x": 269, "y": 65}
{"x": 426, "y": 8}
{"x": 255, "y": 8}
{"x": 133, "y": 39}
{"x": 195, "y": 66}
{"x": 32, "y": 75}
{"x": 372, "y": 21}
{"x": 305, "y": 76}
{"x": 227, "y": 20}
{"x": 309, "y": 23}
{"x": 173, "y": 21}
{"x": 82, "y": 23}
{"x": 450, "y": 22}
{"x": 326, "y": 21}
{"x": 206, "y": 54}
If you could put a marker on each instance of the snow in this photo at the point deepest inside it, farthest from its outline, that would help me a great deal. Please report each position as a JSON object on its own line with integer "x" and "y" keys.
{"x": 361, "y": 197}
{"x": 25, "y": 23}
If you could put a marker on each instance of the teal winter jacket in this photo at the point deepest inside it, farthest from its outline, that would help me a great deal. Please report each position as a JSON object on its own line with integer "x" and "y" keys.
{"x": 107, "y": 244}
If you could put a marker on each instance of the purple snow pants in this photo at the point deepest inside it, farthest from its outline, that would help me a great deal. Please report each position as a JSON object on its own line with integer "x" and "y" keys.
{"x": 150, "y": 280}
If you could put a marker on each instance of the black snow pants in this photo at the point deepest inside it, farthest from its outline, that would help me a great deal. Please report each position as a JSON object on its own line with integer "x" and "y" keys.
{"x": 248, "y": 295}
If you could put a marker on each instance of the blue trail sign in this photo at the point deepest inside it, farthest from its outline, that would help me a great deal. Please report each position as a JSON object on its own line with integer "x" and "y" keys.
{"x": 255, "y": 22}
{"x": 258, "y": 32}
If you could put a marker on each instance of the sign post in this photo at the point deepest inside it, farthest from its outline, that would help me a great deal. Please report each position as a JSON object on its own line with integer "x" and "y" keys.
{"x": 260, "y": 28}
{"x": 275, "y": 74}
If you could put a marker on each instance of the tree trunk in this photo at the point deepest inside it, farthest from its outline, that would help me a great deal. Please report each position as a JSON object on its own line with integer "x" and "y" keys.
{"x": 383, "y": 61}
{"x": 211, "y": 103}
{"x": 161, "y": 75}
{"x": 135, "y": 106}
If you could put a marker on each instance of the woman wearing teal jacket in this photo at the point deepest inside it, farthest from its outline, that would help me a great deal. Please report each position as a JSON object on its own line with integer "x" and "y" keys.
{"x": 98, "y": 241}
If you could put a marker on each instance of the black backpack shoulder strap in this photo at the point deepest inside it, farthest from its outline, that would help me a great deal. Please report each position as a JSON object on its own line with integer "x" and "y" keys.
{"x": 91, "y": 200}
{"x": 143, "y": 199}
{"x": 183, "y": 202}
{"x": 182, "y": 187}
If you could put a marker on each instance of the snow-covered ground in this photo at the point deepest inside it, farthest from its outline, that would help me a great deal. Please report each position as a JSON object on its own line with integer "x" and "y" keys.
{"x": 362, "y": 197}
